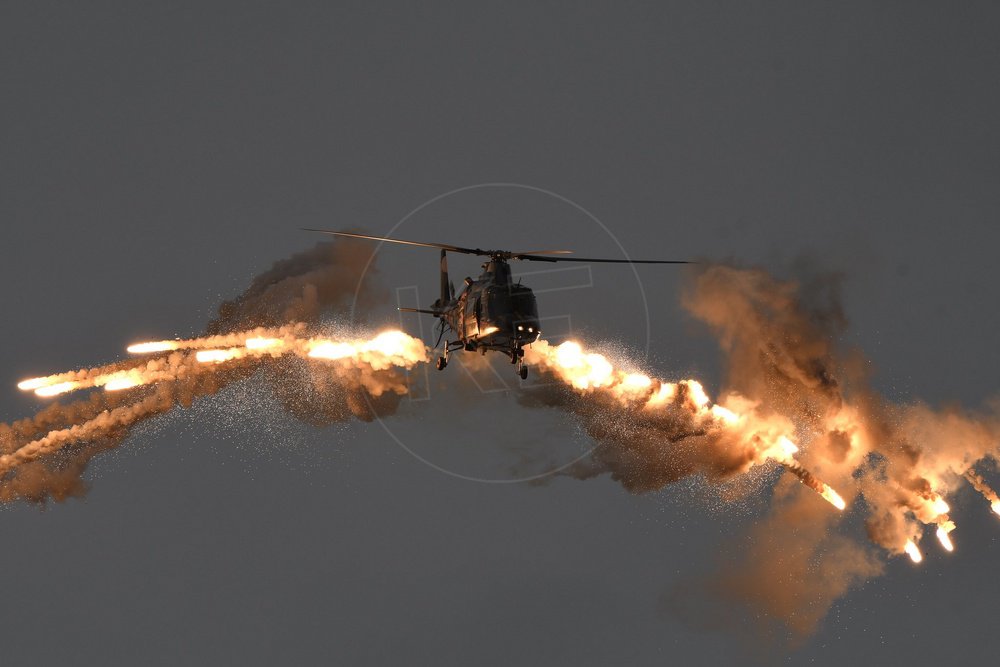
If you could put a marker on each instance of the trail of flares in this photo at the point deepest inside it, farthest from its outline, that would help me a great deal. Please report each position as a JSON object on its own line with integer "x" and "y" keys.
{"x": 387, "y": 349}
{"x": 980, "y": 485}
{"x": 358, "y": 361}
{"x": 789, "y": 397}
{"x": 749, "y": 437}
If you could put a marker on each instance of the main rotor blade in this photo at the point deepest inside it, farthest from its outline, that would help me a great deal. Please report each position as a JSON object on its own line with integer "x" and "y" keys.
{"x": 443, "y": 246}
{"x": 540, "y": 258}
{"x": 531, "y": 256}
{"x": 541, "y": 252}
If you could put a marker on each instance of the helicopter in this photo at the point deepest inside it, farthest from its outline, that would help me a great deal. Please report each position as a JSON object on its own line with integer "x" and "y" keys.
{"x": 492, "y": 312}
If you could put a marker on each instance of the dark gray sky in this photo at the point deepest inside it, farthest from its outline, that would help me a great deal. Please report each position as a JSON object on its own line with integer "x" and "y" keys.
{"x": 153, "y": 159}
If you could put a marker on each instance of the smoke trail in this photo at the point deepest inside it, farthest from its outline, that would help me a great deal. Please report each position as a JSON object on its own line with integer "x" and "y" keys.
{"x": 44, "y": 457}
{"x": 777, "y": 343}
{"x": 790, "y": 398}
{"x": 787, "y": 385}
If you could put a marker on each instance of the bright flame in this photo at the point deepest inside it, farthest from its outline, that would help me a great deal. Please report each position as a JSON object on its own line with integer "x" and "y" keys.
{"x": 56, "y": 389}
{"x": 123, "y": 382}
{"x": 832, "y": 497}
{"x": 943, "y": 538}
{"x": 995, "y": 506}
{"x": 388, "y": 343}
{"x": 327, "y": 349}
{"x": 33, "y": 383}
{"x": 697, "y": 393}
{"x": 787, "y": 446}
{"x": 636, "y": 382}
{"x": 913, "y": 552}
{"x": 263, "y": 343}
{"x": 731, "y": 419}
{"x": 489, "y": 330}
{"x": 665, "y": 394}
{"x": 155, "y": 346}
{"x": 940, "y": 506}
{"x": 215, "y": 356}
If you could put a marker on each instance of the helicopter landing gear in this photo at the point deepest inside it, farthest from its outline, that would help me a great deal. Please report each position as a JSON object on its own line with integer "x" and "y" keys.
{"x": 482, "y": 351}
{"x": 441, "y": 363}
{"x": 523, "y": 372}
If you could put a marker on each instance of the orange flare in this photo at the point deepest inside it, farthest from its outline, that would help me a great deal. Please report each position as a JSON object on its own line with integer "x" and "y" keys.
{"x": 155, "y": 346}
{"x": 697, "y": 393}
{"x": 56, "y": 389}
{"x": 942, "y": 535}
{"x": 327, "y": 349}
{"x": 34, "y": 383}
{"x": 731, "y": 418}
{"x": 215, "y": 356}
{"x": 832, "y": 497}
{"x": 995, "y": 506}
{"x": 940, "y": 506}
{"x": 124, "y": 382}
{"x": 263, "y": 343}
{"x": 913, "y": 552}
{"x": 787, "y": 446}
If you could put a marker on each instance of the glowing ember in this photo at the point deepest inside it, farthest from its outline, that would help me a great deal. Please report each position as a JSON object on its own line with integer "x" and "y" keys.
{"x": 215, "y": 356}
{"x": 697, "y": 393}
{"x": 940, "y": 506}
{"x": 943, "y": 537}
{"x": 636, "y": 382}
{"x": 155, "y": 346}
{"x": 56, "y": 389}
{"x": 832, "y": 497}
{"x": 328, "y": 349}
{"x": 33, "y": 383}
{"x": 787, "y": 446}
{"x": 731, "y": 418}
{"x": 263, "y": 343}
{"x": 664, "y": 395}
{"x": 913, "y": 552}
{"x": 122, "y": 382}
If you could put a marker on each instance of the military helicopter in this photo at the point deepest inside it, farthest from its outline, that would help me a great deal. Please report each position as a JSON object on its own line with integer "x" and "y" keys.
{"x": 492, "y": 312}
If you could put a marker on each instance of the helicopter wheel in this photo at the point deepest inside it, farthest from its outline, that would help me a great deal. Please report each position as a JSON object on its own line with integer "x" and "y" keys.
{"x": 523, "y": 372}
{"x": 441, "y": 363}
{"x": 513, "y": 357}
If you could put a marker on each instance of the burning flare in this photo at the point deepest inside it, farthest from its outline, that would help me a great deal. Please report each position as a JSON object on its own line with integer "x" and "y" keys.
{"x": 758, "y": 438}
{"x": 157, "y": 346}
{"x": 913, "y": 551}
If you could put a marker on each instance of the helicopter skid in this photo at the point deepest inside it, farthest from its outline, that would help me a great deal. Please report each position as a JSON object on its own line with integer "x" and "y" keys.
{"x": 512, "y": 349}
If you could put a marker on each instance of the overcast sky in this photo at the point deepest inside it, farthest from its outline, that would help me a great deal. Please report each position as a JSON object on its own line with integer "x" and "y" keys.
{"x": 155, "y": 158}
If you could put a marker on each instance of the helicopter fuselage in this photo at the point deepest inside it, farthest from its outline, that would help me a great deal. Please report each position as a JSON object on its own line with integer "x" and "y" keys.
{"x": 491, "y": 313}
